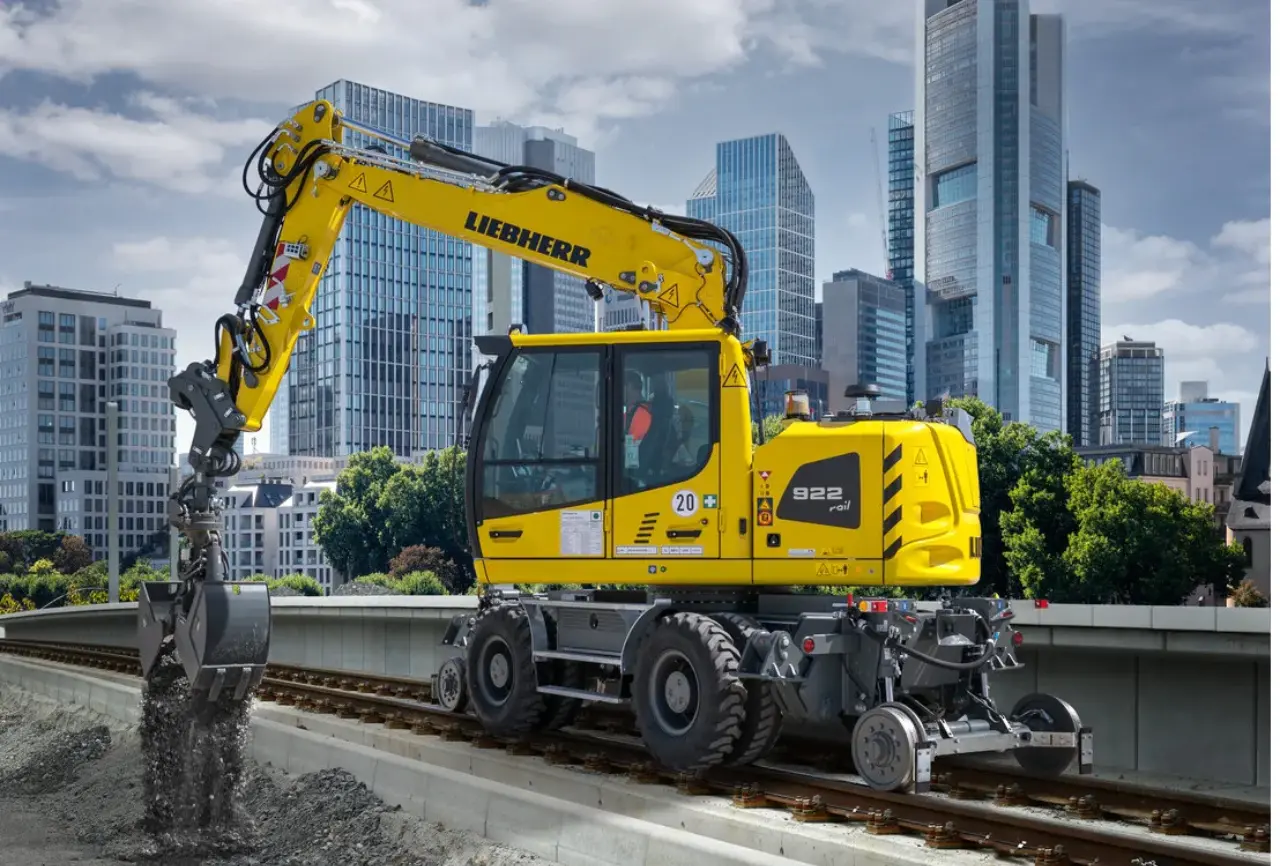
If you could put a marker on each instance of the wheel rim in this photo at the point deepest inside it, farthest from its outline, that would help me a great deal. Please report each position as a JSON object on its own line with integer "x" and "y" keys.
{"x": 884, "y": 749}
{"x": 450, "y": 684}
{"x": 495, "y": 671}
{"x": 673, "y": 687}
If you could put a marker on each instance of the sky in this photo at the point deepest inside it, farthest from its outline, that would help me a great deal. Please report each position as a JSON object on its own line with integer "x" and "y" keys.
{"x": 124, "y": 125}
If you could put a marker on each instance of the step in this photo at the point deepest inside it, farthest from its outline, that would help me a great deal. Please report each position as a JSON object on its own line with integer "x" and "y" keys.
{"x": 612, "y": 661}
{"x": 581, "y": 694}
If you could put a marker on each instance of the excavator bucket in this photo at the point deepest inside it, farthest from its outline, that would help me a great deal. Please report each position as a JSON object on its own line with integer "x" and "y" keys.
{"x": 221, "y": 633}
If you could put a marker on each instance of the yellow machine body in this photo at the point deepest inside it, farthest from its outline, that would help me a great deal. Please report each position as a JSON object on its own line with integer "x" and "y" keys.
{"x": 564, "y": 496}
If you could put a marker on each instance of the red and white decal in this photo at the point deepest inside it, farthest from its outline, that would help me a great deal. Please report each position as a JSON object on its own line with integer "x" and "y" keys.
{"x": 275, "y": 294}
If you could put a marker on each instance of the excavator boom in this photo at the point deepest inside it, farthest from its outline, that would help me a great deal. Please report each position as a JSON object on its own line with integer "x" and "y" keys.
{"x": 308, "y": 180}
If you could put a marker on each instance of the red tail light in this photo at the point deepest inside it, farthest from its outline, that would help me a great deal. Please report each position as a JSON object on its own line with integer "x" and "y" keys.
{"x": 1017, "y": 638}
{"x": 1041, "y": 604}
{"x": 879, "y": 607}
{"x": 808, "y": 645}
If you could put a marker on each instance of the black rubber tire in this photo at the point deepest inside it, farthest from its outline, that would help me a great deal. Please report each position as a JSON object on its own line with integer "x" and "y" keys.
{"x": 1041, "y": 760}
{"x": 720, "y": 696}
{"x": 762, "y": 724}
{"x": 505, "y": 628}
{"x": 559, "y": 711}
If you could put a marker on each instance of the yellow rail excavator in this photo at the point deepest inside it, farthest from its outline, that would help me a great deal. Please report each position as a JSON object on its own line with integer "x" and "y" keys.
{"x": 627, "y": 459}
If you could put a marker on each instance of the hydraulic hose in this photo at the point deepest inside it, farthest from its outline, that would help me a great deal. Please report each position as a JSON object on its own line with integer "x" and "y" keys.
{"x": 925, "y": 658}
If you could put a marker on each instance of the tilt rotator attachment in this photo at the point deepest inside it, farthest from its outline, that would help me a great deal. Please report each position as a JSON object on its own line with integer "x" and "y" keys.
{"x": 911, "y": 684}
{"x": 221, "y": 632}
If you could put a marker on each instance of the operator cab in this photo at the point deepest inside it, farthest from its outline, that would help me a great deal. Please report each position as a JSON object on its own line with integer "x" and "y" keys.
{"x": 573, "y": 432}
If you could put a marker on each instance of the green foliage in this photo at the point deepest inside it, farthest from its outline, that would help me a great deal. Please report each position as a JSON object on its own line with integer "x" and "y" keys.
{"x": 349, "y": 521}
{"x": 25, "y": 546}
{"x": 72, "y": 554}
{"x": 8, "y": 604}
{"x": 420, "y": 583}
{"x": 1096, "y": 536}
{"x": 419, "y": 557}
{"x": 381, "y": 508}
{"x": 1243, "y": 594}
{"x": 299, "y": 583}
{"x": 772, "y": 427}
{"x": 1007, "y": 453}
{"x": 377, "y": 579}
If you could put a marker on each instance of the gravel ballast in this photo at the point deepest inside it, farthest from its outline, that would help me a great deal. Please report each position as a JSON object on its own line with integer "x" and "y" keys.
{"x": 72, "y": 791}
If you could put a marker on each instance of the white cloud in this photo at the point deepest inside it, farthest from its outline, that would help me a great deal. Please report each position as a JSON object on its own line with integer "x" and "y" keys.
{"x": 1235, "y": 267}
{"x": 1211, "y": 353}
{"x": 194, "y": 281}
{"x": 171, "y": 146}
{"x": 576, "y": 58}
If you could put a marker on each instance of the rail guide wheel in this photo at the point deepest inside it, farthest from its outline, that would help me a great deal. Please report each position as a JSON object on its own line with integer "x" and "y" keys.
{"x": 502, "y": 682}
{"x": 1047, "y": 714}
{"x": 689, "y": 702}
{"x": 885, "y": 744}
{"x": 451, "y": 685}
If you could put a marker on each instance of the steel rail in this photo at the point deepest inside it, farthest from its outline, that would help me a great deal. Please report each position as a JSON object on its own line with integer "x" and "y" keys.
{"x": 946, "y": 819}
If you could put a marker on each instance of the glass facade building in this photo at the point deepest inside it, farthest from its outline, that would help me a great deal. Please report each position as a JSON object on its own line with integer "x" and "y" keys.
{"x": 391, "y": 349}
{"x": 1084, "y": 309}
{"x": 1130, "y": 393}
{"x": 1192, "y": 419}
{"x": 902, "y": 233}
{"x": 64, "y": 354}
{"x": 989, "y": 206}
{"x": 758, "y": 192}
{"x": 867, "y": 341}
{"x": 543, "y": 300}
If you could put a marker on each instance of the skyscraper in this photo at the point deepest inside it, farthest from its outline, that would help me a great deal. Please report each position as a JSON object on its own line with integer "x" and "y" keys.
{"x": 868, "y": 316}
{"x": 1084, "y": 309}
{"x": 391, "y": 348}
{"x": 989, "y": 206}
{"x": 902, "y": 209}
{"x": 544, "y": 300}
{"x": 64, "y": 353}
{"x": 1130, "y": 393}
{"x": 758, "y": 191}
{"x": 1194, "y": 416}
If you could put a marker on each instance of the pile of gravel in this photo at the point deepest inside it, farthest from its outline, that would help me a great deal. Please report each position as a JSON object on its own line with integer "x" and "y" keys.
{"x": 85, "y": 776}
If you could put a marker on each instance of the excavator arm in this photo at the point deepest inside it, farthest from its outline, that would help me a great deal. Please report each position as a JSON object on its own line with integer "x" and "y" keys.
{"x": 308, "y": 181}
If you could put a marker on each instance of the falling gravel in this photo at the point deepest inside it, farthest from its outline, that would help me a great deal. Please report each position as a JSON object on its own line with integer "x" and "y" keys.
{"x": 74, "y": 789}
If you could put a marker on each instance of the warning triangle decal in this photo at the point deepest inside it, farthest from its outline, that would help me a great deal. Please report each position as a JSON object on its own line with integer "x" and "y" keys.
{"x": 734, "y": 378}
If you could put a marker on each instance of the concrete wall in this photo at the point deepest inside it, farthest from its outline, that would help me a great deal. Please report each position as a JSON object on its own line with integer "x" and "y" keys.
{"x": 1168, "y": 713}
{"x": 1179, "y": 691}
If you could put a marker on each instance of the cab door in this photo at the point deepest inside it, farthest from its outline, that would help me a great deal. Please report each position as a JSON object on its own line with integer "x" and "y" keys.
{"x": 539, "y": 487}
{"x": 665, "y": 501}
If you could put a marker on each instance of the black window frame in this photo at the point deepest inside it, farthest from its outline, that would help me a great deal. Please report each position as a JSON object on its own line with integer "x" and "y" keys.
{"x": 601, "y": 460}
{"x": 617, "y": 396}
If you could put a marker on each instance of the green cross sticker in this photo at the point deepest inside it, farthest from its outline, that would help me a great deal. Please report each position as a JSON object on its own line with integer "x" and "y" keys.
{"x": 709, "y": 500}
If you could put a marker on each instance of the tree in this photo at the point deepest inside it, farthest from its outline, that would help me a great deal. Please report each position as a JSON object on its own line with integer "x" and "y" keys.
{"x": 426, "y": 505}
{"x": 350, "y": 522}
{"x": 72, "y": 555}
{"x": 419, "y": 557}
{"x": 1006, "y": 454}
{"x": 1126, "y": 542}
{"x": 772, "y": 427}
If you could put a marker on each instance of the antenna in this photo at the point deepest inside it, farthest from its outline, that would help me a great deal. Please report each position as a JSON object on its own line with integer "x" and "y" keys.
{"x": 884, "y": 223}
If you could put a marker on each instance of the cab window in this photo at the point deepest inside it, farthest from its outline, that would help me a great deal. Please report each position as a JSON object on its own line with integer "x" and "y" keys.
{"x": 541, "y": 446}
{"x": 669, "y": 415}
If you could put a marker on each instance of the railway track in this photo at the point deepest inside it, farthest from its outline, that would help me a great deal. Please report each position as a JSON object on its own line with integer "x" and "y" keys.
{"x": 1051, "y": 822}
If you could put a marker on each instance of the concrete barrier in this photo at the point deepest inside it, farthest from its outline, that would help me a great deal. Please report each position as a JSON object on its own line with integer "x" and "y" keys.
{"x": 565, "y": 815}
{"x": 1168, "y": 690}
